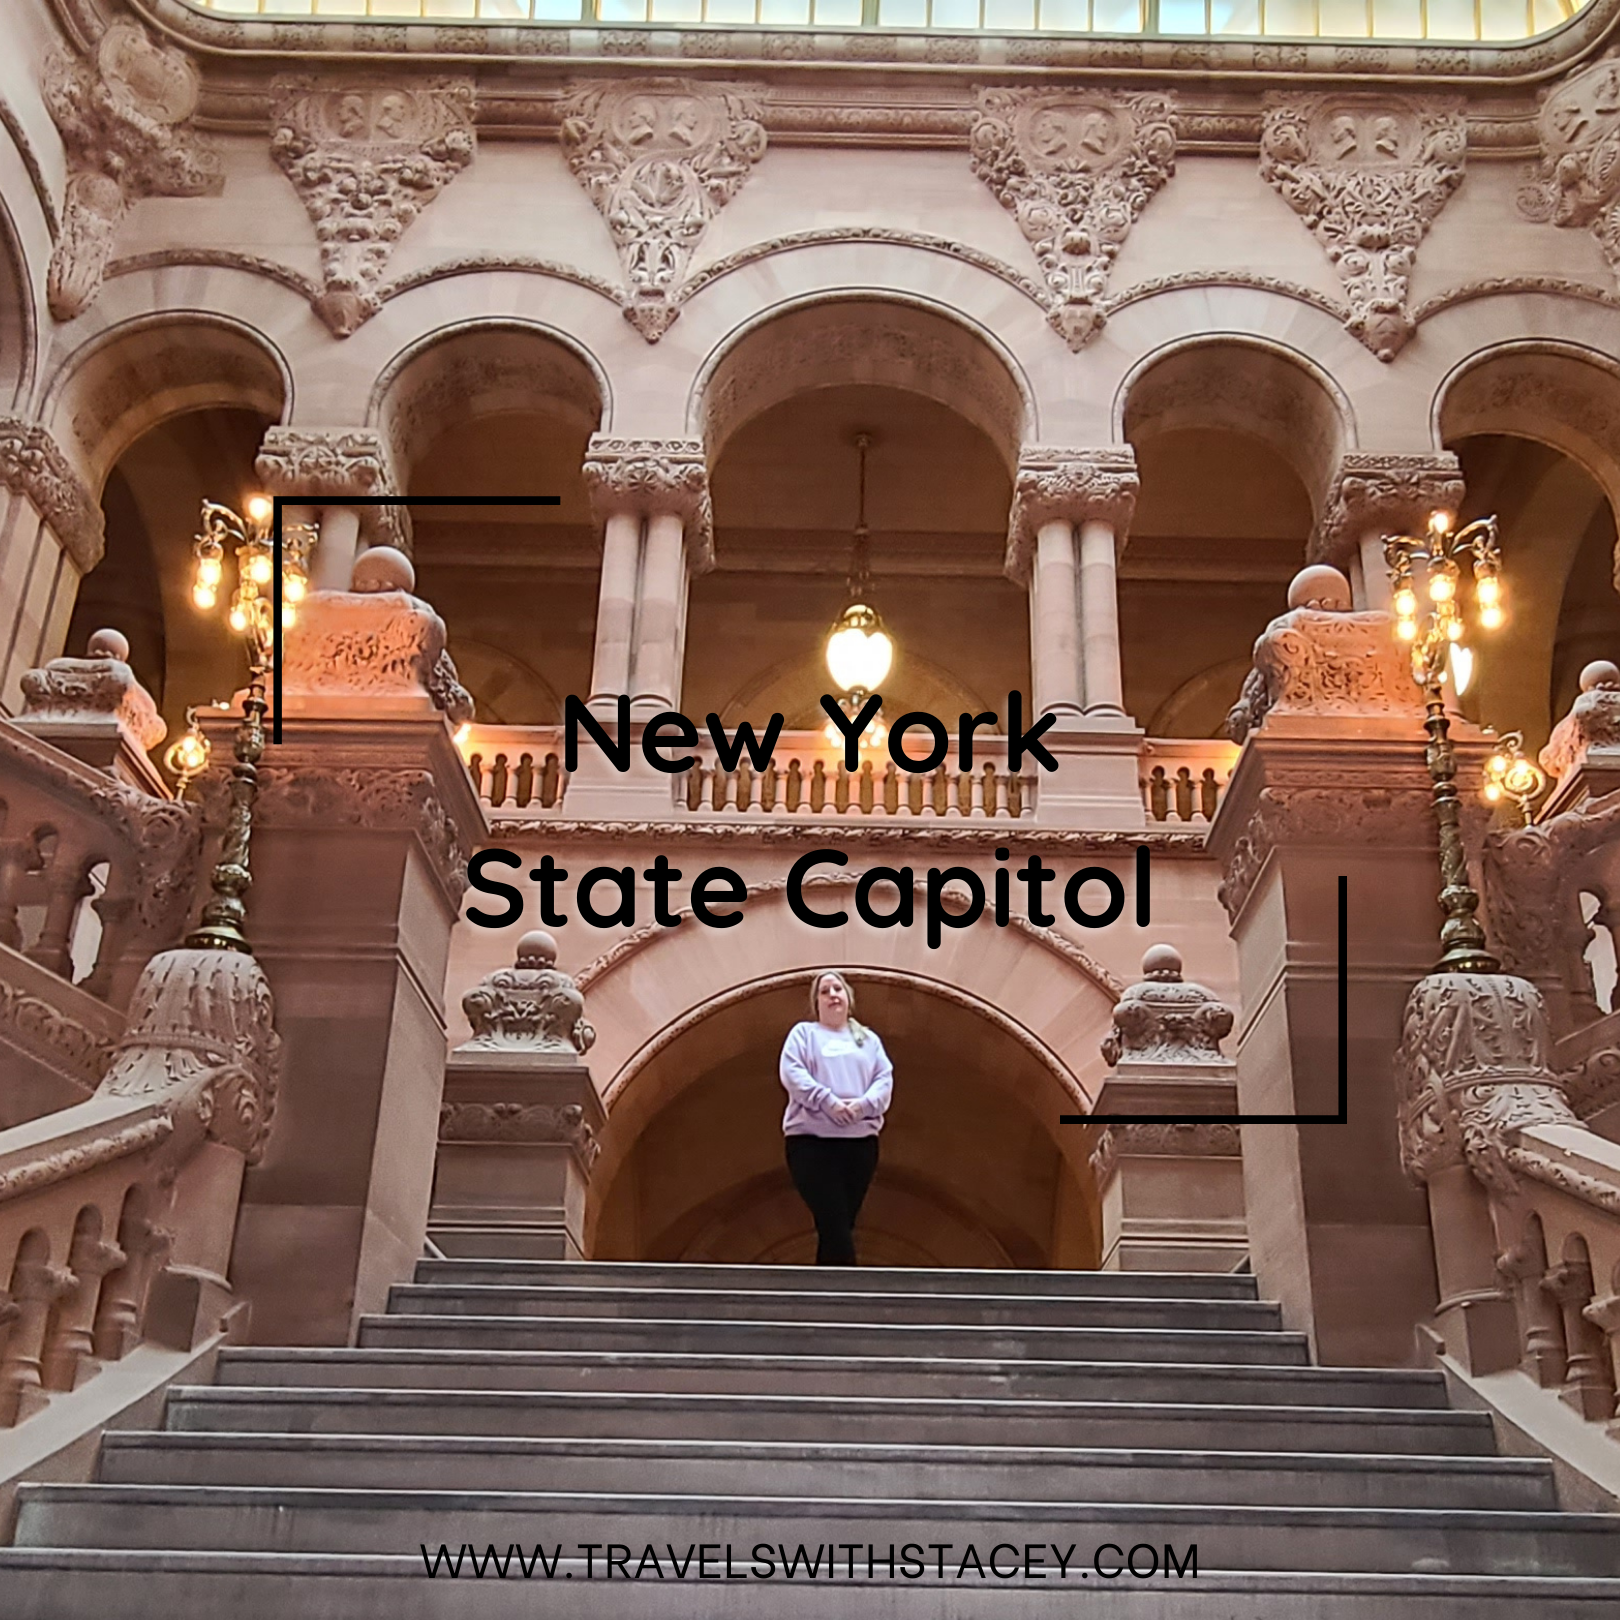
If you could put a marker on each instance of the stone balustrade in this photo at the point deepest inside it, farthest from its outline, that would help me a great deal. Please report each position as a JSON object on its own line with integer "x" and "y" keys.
{"x": 517, "y": 770}
{"x": 1183, "y": 778}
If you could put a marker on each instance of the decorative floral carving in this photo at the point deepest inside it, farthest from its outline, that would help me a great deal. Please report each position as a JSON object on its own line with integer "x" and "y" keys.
{"x": 33, "y": 466}
{"x": 1075, "y": 168}
{"x": 1217, "y": 1140}
{"x": 69, "y": 689}
{"x": 33, "y": 1023}
{"x": 1076, "y": 486}
{"x": 201, "y": 1040}
{"x": 366, "y": 158}
{"x": 1369, "y": 174}
{"x": 532, "y": 1007}
{"x": 313, "y": 464}
{"x": 564, "y": 1123}
{"x": 1471, "y": 1072}
{"x": 659, "y": 158}
{"x": 652, "y": 476}
{"x": 124, "y": 123}
{"x": 1593, "y": 721}
{"x": 1167, "y": 1019}
{"x": 1389, "y": 494}
{"x": 1578, "y": 182}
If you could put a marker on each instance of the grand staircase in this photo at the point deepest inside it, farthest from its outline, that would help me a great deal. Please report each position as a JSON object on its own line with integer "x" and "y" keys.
{"x": 513, "y": 1404}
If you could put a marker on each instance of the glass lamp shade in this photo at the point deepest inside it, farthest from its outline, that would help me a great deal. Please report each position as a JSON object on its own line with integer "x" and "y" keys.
{"x": 859, "y": 650}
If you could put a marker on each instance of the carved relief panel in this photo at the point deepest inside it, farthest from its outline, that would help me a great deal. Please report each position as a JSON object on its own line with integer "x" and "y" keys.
{"x": 366, "y": 159}
{"x": 659, "y": 158}
{"x": 1369, "y": 175}
{"x": 1579, "y": 179}
{"x": 1075, "y": 169}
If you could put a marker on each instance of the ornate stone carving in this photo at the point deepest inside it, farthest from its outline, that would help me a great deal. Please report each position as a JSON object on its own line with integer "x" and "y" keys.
{"x": 1593, "y": 721}
{"x": 650, "y": 476}
{"x": 1388, "y": 494}
{"x": 520, "y": 1122}
{"x": 366, "y": 158}
{"x": 33, "y": 466}
{"x": 1073, "y": 485}
{"x": 1471, "y": 1072}
{"x": 532, "y": 1007}
{"x": 1369, "y": 174}
{"x": 659, "y": 158}
{"x": 201, "y": 1040}
{"x": 1578, "y": 182}
{"x": 124, "y": 122}
{"x": 100, "y": 687}
{"x": 315, "y": 464}
{"x": 1167, "y": 1019}
{"x": 1217, "y": 1140}
{"x": 31, "y": 1022}
{"x": 1075, "y": 168}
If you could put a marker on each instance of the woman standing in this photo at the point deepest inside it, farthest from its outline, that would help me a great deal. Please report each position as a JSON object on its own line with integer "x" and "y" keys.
{"x": 839, "y": 1080}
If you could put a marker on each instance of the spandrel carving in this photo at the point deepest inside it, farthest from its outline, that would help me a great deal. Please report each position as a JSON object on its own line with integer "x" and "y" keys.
{"x": 1577, "y": 183}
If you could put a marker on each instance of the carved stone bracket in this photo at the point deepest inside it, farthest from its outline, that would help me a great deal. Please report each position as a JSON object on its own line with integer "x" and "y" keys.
{"x": 1073, "y": 485}
{"x": 1578, "y": 180}
{"x": 1075, "y": 168}
{"x": 653, "y": 476}
{"x": 1216, "y": 1140}
{"x": 1471, "y": 1072}
{"x": 331, "y": 463}
{"x": 659, "y": 158}
{"x": 33, "y": 466}
{"x": 1369, "y": 174}
{"x": 366, "y": 158}
{"x": 532, "y": 1007}
{"x": 125, "y": 123}
{"x": 1392, "y": 494}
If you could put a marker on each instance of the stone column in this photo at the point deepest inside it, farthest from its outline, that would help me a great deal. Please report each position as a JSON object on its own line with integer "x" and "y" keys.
{"x": 518, "y": 1130}
{"x": 1172, "y": 1195}
{"x": 1099, "y": 618}
{"x": 51, "y": 536}
{"x": 1373, "y": 495}
{"x": 321, "y": 465}
{"x": 652, "y": 499}
{"x": 1332, "y": 782}
{"x": 365, "y": 820}
{"x": 337, "y": 546}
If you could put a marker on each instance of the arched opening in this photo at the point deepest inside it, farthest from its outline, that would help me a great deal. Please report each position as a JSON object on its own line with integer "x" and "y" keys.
{"x": 502, "y": 410}
{"x": 1235, "y": 445}
{"x": 974, "y": 1170}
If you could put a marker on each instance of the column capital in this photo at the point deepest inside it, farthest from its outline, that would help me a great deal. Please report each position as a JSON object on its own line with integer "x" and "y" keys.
{"x": 326, "y": 465}
{"x": 650, "y": 477}
{"x": 32, "y": 465}
{"x": 1076, "y": 486}
{"x": 1393, "y": 492}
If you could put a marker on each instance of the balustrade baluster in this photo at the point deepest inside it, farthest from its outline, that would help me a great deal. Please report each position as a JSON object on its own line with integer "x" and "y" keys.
{"x": 891, "y": 789}
{"x": 745, "y": 786}
{"x": 794, "y": 798}
{"x": 1158, "y": 794}
{"x": 841, "y": 789}
{"x": 122, "y": 1307}
{"x": 767, "y": 788}
{"x": 36, "y": 1285}
{"x": 497, "y": 781}
{"x": 1541, "y": 1328}
{"x": 14, "y": 856}
{"x": 1604, "y": 1315}
{"x": 1587, "y": 1386}
{"x": 818, "y": 787}
{"x": 1184, "y": 794}
{"x": 69, "y": 1343}
{"x": 1209, "y": 794}
{"x": 523, "y": 786}
{"x": 868, "y": 793}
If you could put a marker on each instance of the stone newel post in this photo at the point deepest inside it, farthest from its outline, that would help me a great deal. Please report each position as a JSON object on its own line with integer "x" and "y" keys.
{"x": 517, "y": 1133}
{"x": 1332, "y": 782}
{"x": 1172, "y": 1195}
{"x": 365, "y": 819}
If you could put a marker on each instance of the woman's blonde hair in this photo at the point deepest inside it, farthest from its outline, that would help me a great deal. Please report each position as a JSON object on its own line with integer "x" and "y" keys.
{"x": 858, "y": 1031}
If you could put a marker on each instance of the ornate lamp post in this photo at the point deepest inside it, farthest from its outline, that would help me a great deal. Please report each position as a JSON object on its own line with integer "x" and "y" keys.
{"x": 252, "y": 616}
{"x": 1436, "y": 635}
{"x": 860, "y": 651}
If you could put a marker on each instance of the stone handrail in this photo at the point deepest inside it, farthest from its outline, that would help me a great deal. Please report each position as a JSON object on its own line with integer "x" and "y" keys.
{"x": 517, "y": 770}
{"x": 1183, "y": 777}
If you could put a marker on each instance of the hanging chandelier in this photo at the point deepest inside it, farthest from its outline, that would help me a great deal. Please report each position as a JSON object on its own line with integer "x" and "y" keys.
{"x": 860, "y": 652}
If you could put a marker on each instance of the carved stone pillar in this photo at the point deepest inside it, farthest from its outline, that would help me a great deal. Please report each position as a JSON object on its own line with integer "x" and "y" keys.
{"x": 51, "y": 536}
{"x": 365, "y": 819}
{"x": 653, "y": 495}
{"x": 321, "y": 465}
{"x": 1172, "y": 1195}
{"x": 518, "y": 1130}
{"x": 1331, "y": 782}
{"x": 36, "y": 1286}
{"x": 1376, "y": 495}
{"x": 70, "y": 1347}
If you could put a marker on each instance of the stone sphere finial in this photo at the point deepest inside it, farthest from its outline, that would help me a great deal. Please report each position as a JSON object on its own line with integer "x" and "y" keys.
{"x": 115, "y": 644}
{"x": 536, "y": 949}
{"x": 383, "y": 568}
{"x": 1600, "y": 674}
{"x": 1320, "y": 587}
{"x": 1161, "y": 962}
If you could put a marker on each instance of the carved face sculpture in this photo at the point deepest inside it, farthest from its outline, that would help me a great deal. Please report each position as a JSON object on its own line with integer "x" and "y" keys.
{"x": 1386, "y": 138}
{"x": 638, "y": 121}
{"x": 352, "y": 123}
{"x": 393, "y": 115}
{"x": 1083, "y": 135}
{"x": 1585, "y": 111}
{"x": 1343, "y": 140}
{"x": 685, "y": 122}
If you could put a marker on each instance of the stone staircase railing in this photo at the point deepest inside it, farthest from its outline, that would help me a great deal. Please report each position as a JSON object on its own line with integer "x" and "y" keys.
{"x": 1183, "y": 777}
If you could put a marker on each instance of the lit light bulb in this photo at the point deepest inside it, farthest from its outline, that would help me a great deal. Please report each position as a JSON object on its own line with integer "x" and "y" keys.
{"x": 1523, "y": 780}
{"x": 1406, "y": 602}
{"x": 1442, "y": 587}
{"x": 259, "y": 508}
{"x": 1453, "y": 629}
{"x": 1488, "y": 590}
{"x": 1462, "y": 668}
{"x": 1407, "y": 630}
{"x": 203, "y": 595}
{"x": 294, "y": 587}
{"x": 1491, "y": 617}
{"x": 259, "y": 568}
{"x": 859, "y": 650}
{"x": 1440, "y": 522}
{"x": 1493, "y": 791}
{"x": 289, "y": 616}
{"x": 1498, "y": 765}
{"x": 209, "y": 570}
{"x": 238, "y": 620}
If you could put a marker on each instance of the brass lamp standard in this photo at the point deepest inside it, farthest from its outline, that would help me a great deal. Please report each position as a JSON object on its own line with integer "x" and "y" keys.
{"x": 1435, "y": 636}
{"x": 859, "y": 650}
{"x": 252, "y": 616}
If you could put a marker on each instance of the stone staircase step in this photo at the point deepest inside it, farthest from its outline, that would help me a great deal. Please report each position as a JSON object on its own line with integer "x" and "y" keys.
{"x": 632, "y": 1415}
{"x": 775, "y": 1468}
{"x": 838, "y": 1279}
{"x": 830, "y": 1375}
{"x": 721, "y": 1337}
{"x": 823, "y": 1306}
{"x": 227, "y": 1518}
{"x": 52, "y": 1584}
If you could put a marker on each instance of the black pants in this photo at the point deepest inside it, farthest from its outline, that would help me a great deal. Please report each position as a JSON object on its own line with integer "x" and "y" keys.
{"x": 832, "y": 1174}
